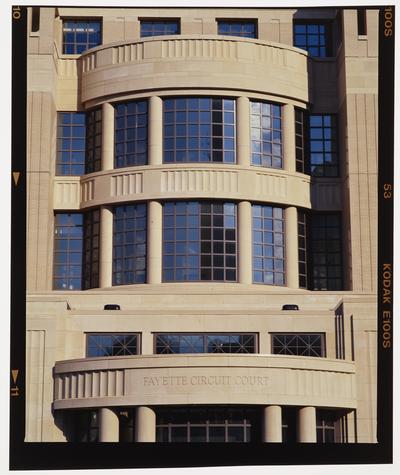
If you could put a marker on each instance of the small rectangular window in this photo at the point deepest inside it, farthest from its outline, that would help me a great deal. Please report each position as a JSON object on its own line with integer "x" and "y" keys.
{"x": 68, "y": 247}
{"x": 167, "y": 343}
{"x": 111, "y": 344}
{"x": 314, "y": 37}
{"x": 71, "y": 144}
{"x": 300, "y": 137}
{"x": 243, "y": 28}
{"x": 323, "y": 145}
{"x": 91, "y": 246}
{"x": 299, "y": 344}
{"x": 326, "y": 251}
{"x": 361, "y": 21}
{"x": 159, "y": 27}
{"x": 302, "y": 239}
{"x": 35, "y": 19}
{"x": 80, "y": 35}
{"x": 93, "y": 141}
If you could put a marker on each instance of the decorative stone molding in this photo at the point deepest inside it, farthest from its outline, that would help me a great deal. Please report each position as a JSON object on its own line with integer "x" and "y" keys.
{"x": 201, "y": 379}
{"x": 195, "y": 62}
{"x": 194, "y": 181}
{"x": 66, "y": 193}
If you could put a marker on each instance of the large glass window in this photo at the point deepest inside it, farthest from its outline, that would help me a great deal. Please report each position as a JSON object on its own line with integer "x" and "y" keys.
{"x": 266, "y": 135}
{"x": 199, "y": 129}
{"x": 71, "y": 132}
{"x": 298, "y": 344}
{"x": 199, "y": 241}
{"x": 80, "y": 35}
{"x": 326, "y": 252}
{"x": 207, "y": 424}
{"x": 111, "y": 344}
{"x": 159, "y": 27}
{"x": 268, "y": 245}
{"x": 130, "y": 134}
{"x": 129, "y": 244}
{"x": 68, "y": 238}
{"x": 167, "y": 343}
{"x": 323, "y": 145}
{"x": 243, "y": 28}
{"x": 313, "y": 37}
{"x": 93, "y": 140}
{"x": 91, "y": 255}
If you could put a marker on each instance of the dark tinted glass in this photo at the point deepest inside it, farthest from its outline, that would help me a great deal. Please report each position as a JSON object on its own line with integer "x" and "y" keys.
{"x": 80, "y": 35}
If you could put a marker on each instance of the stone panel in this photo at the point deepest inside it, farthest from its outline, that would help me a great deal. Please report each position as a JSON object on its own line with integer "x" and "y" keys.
{"x": 222, "y": 379}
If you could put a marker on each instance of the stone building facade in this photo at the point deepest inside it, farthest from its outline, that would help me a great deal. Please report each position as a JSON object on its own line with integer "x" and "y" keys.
{"x": 202, "y": 224}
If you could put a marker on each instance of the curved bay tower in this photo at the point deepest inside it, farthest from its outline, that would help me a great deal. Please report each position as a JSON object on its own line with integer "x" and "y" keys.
{"x": 202, "y": 214}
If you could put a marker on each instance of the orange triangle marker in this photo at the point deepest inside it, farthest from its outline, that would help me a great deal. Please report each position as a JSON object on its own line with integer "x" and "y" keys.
{"x": 14, "y": 373}
{"x": 16, "y": 176}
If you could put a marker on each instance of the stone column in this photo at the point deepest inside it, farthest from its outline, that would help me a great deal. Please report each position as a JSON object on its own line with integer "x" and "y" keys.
{"x": 145, "y": 425}
{"x": 107, "y": 137}
{"x": 307, "y": 425}
{"x": 155, "y": 130}
{"x": 244, "y": 243}
{"x": 147, "y": 343}
{"x": 109, "y": 425}
{"x": 291, "y": 248}
{"x": 106, "y": 243}
{"x": 289, "y": 138}
{"x": 154, "y": 242}
{"x": 243, "y": 131}
{"x": 272, "y": 424}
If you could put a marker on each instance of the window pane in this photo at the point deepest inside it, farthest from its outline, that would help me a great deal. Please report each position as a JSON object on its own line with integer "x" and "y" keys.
{"x": 70, "y": 143}
{"x": 299, "y": 344}
{"x": 205, "y": 343}
{"x": 191, "y": 233}
{"x": 80, "y": 35}
{"x": 322, "y": 143}
{"x": 266, "y": 133}
{"x": 68, "y": 245}
{"x": 159, "y": 27}
{"x": 326, "y": 255}
{"x": 131, "y": 134}
{"x": 199, "y": 130}
{"x": 245, "y": 29}
{"x": 312, "y": 37}
{"x": 111, "y": 345}
{"x": 268, "y": 229}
